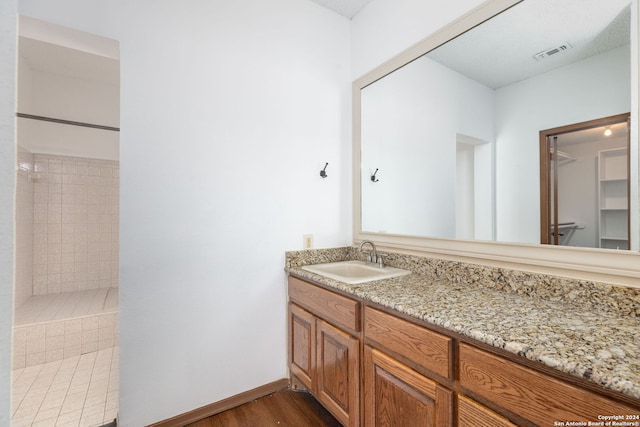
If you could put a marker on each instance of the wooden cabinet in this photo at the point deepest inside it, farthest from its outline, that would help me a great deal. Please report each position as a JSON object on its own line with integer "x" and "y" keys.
{"x": 302, "y": 349}
{"x": 473, "y": 414}
{"x": 530, "y": 394}
{"x": 421, "y": 346}
{"x": 324, "y": 348}
{"x": 412, "y": 375}
{"x": 396, "y": 395}
{"x": 338, "y": 373}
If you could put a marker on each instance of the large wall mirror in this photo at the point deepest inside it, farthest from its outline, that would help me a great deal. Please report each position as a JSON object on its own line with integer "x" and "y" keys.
{"x": 447, "y": 134}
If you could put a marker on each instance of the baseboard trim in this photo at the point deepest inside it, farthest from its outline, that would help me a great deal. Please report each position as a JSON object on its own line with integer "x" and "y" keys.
{"x": 223, "y": 405}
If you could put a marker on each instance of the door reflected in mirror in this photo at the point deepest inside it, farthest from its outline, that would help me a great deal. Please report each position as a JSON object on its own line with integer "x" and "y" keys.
{"x": 584, "y": 184}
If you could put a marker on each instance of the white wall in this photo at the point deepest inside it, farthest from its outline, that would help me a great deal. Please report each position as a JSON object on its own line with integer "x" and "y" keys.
{"x": 66, "y": 140}
{"x": 465, "y": 208}
{"x": 87, "y": 99}
{"x": 228, "y": 112}
{"x": 410, "y": 121}
{"x": 553, "y": 99}
{"x": 475, "y": 207}
{"x": 8, "y": 64}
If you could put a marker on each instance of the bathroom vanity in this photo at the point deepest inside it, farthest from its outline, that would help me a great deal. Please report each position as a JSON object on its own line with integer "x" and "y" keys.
{"x": 434, "y": 349}
{"x": 325, "y": 337}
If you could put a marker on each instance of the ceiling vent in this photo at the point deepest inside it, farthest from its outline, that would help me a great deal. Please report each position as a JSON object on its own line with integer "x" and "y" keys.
{"x": 547, "y": 53}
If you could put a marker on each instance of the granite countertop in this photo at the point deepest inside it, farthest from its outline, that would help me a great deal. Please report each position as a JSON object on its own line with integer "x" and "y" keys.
{"x": 600, "y": 346}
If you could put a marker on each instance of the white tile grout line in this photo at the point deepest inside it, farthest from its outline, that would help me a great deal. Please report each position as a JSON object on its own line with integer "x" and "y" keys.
{"x": 71, "y": 390}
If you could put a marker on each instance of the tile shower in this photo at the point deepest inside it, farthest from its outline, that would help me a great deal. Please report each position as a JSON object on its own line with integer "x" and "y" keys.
{"x": 66, "y": 292}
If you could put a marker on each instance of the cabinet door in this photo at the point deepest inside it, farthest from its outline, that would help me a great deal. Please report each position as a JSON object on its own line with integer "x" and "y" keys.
{"x": 302, "y": 354}
{"x": 473, "y": 414}
{"x": 396, "y": 395}
{"x": 337, "y": 375}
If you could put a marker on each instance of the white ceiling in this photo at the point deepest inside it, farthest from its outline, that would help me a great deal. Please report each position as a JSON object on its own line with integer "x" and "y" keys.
{"x": 500, "y": 51}
{"x": 347, "y": 8}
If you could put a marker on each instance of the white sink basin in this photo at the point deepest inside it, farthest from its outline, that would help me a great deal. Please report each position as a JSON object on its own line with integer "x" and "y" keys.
{"x": 354, "y": 272}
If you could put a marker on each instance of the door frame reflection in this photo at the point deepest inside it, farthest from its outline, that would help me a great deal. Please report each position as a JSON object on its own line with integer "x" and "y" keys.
{"x": 549, "y": 234}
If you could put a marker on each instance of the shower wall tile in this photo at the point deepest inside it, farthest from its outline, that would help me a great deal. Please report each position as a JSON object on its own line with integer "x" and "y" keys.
{"x": 19, "y": 348}
{"x": 47, "y": 342}
{"x": 24, "y": 225}
{"x": 75, "y": 224}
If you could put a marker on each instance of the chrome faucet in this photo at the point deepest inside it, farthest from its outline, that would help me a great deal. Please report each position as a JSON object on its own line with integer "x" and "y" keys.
{"x": 372, "y": 257}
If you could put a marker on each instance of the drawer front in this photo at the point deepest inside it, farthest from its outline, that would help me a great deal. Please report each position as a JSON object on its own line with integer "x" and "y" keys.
{"x": 422, "y": 346}
{"x": 334, "y": 308}
{"x": 473, "y": 414}
{"x": 537, "y": 397}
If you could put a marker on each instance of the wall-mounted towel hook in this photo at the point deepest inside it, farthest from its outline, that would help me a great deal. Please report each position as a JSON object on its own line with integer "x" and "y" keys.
{"x": 373, "y": 177}
{"x": 323, "y": 172}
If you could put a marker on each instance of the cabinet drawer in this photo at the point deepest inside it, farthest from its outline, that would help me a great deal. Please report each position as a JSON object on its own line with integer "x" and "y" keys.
{"x": 535, "y": 396}
{"x": 473, "y": 414}
{"x": 334, "y": 308}
{"x": 420, "y": 345}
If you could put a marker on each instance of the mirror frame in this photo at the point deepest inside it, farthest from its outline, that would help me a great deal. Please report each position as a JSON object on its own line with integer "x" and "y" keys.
{"x": 609, "y": 266}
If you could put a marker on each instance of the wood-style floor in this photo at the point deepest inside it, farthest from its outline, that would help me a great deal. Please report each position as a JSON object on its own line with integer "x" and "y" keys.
{"x": 283, "y": 409}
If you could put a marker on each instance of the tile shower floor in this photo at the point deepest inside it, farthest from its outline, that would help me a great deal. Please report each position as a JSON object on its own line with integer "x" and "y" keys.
{"x": 80, "y": 391}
